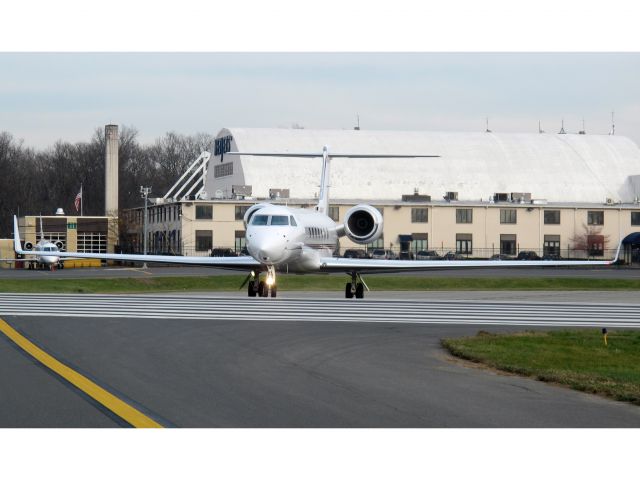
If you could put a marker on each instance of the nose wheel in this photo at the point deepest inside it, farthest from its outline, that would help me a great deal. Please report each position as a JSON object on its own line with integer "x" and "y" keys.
{"x": 263, "y": 288}
{"x": 355, "y": 288}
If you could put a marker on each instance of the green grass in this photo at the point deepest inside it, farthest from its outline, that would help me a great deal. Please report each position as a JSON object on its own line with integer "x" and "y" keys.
{"x": 307, "y": 282}
{"x": 575, "y": 358}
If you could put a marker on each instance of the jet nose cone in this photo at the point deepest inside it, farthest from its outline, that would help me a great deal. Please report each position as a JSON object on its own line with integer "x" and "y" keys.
{"x": 270, "y": 254}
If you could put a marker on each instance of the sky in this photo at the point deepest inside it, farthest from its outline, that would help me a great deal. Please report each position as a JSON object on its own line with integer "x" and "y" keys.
{"x": 45, "y": 97}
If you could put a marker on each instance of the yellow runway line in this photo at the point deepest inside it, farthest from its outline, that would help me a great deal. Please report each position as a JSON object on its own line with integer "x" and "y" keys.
{"x": 110, "y": 401}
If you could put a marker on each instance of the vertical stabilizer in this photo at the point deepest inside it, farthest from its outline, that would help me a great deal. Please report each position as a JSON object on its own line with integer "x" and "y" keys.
{"x": 323, "y": 198}
{"x": 41, "y": 230}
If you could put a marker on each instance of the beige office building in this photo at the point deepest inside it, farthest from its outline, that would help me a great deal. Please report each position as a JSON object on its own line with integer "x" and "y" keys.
{"x": 569, "y": 195}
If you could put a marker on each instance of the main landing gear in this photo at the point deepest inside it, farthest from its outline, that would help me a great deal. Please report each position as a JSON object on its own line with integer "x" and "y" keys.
{"x": 263, "y": 288}
{"x": 355, "y": 287}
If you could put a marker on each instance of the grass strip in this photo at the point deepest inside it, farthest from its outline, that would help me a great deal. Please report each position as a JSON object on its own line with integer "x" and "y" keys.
{"x": 336, "y": 283}
{"x": 578, "y": 359}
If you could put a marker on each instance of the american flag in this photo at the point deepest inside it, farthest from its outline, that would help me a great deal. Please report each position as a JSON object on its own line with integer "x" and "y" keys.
{"x": 78, "y": 199}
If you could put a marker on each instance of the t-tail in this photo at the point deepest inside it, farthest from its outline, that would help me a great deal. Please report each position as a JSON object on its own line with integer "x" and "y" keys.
{"x": 323, "y": 197}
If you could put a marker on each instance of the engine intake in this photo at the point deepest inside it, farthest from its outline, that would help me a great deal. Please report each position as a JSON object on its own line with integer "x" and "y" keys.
{"x": 363, "y": 224}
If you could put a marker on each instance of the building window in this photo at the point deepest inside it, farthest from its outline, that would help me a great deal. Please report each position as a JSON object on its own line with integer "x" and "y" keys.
{"x": 464, "y": 243}
{"x": 508, "y": 244}
{"x": 635, "y": 218}
{"x": 419, "y": 215}
{"x": 420, "y": 241}
{"x": 595, "y": 217}
{"x": 204, "y": 212}
{"x": 240, "y": 211}
{"x": 223, "y": 170}
{"x": 464, "y": 215}
{"x": 379, "y": 243}
{"x": 334, "y": 213}
{"x": 508, "y": 215}
{"x": 204, "y": 240}
{"x": 595, "y": 245}
{"x": 240, "y": 241}
{"x": 551, "y": 245}
{"x": 552, "y": 217}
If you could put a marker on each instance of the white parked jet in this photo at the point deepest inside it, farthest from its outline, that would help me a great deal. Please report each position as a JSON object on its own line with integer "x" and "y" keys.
{"x": 283, "y": 239}
{"x": 45, "y": 251}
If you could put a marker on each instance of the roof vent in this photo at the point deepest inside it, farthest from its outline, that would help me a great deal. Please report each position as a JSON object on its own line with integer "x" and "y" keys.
{"x": 501, "y": 197}
{"x": 449, "y": 196}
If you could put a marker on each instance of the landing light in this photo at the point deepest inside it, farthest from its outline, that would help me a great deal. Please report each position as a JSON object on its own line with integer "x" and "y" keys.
{"x": 269, "y": 280}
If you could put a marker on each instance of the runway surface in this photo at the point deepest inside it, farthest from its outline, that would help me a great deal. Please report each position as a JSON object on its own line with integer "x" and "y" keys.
{"x": 406, "y": 311}
{"x": 302, "y": 361}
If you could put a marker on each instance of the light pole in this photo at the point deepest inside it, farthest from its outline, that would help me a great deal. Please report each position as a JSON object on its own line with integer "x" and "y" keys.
{"x": 145, "y": 191}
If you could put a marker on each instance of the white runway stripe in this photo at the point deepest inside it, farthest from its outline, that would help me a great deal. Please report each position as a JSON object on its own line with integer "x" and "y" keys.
{"x": 236, "y": 308}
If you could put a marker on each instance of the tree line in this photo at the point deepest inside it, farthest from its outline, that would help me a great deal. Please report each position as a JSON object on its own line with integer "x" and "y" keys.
{"x": 34, "y": 182}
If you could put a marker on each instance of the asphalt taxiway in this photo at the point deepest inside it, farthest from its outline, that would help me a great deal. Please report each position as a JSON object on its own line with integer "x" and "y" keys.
{"x": 303, "y": 360}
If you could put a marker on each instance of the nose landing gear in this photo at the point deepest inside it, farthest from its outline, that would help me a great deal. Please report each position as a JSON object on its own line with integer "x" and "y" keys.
{"x": 355, "y": 287}
{"x": 263, "y": 288}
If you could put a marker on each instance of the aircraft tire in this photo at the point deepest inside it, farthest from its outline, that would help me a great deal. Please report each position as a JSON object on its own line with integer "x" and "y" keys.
{"x": 251, "y": 289}
{"x": 262, "y": 289}
{"x": 359, "y": 290}
{"x": 274, "y": 291}
{"x": 347, "y": 291}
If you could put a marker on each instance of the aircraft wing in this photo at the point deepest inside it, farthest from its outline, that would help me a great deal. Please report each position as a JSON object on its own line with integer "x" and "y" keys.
{"x": 233, "y": 263}
{"x": 332, "y": 155}
{"x": 332, "y": 264}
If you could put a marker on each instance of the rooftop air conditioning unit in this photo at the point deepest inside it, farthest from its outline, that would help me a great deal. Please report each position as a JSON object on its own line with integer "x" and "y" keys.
{"x": 278, "y": 193}
{"x": 241, "y": 190}
{"x": 609, "y": 201}
{"x": 451, "y": 196}
{"x": 520, "y": 197}
{"x": 501, "y": 197}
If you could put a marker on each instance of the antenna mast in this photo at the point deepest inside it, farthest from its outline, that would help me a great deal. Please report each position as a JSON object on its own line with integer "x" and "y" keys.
{"x": 562, "y": 128}
{"x": 613, "y": 124}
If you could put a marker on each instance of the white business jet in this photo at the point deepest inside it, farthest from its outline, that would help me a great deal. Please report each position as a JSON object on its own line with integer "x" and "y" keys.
{"x": 283, "y": 239}
{"x": 44, "y": 254}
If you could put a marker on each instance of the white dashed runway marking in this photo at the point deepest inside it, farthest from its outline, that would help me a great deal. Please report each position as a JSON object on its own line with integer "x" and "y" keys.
{"x": 235, "y": 308}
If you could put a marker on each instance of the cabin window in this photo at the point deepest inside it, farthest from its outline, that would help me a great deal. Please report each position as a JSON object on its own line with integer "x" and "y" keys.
{"x": 279, "y": 220}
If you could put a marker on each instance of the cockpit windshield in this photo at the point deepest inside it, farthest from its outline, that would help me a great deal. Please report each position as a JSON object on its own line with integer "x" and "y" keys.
{"x": 260, "y": 220}
{"x": 279, "y": 220}
{"x": 50, "y": 249}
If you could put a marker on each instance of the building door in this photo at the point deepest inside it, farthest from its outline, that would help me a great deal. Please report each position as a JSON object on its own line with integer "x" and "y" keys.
{"x": 508, "y": 244}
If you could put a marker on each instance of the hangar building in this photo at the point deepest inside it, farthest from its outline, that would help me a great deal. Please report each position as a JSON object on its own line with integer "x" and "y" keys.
{"x": 572, "y": 195}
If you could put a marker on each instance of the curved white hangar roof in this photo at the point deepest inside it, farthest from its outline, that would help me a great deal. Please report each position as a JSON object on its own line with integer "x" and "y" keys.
{"x": 558, "y": 168}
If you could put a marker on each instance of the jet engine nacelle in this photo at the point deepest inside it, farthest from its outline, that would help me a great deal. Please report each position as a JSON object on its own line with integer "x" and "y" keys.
{"x": 363, "y": 224}
{"x": 251, "y": 210}
{"x": 28, "y": 246}
{"x": 59, "y": 244}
